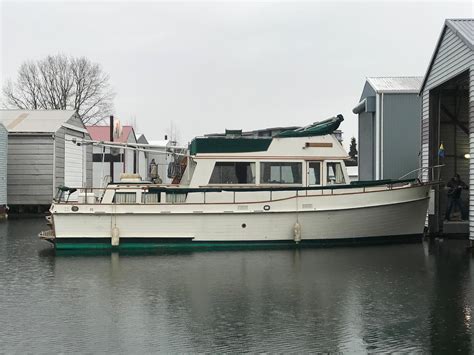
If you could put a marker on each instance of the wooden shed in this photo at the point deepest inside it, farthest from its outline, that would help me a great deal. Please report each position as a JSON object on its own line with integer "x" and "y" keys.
{"x": 42, "y": 155}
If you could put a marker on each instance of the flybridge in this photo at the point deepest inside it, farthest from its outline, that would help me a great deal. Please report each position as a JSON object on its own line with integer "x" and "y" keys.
{"x": 234, "y": 142}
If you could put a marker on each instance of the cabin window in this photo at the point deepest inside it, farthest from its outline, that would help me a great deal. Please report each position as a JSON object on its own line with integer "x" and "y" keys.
{"x": 233, "y": 173}
{"x": 150, "y": 197}
{"x": 280, "y": 173}
{"x": 335, "y": 174}
{"x": 172, "y": 197}
{"x": 314, "y": 173}
{"x": 125, "y": 197}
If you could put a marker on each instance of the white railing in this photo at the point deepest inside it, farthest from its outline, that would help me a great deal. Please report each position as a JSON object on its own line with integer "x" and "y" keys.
{"x": 421, "y": 170}
{"x": 173, "y": 194}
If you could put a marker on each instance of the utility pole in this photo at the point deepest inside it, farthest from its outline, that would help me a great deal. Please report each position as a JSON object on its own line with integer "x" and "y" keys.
{"x": 110, "y": 149}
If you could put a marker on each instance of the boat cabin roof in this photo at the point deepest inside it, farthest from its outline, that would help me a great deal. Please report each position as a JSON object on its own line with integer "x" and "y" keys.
{"x": 234, "y": 142}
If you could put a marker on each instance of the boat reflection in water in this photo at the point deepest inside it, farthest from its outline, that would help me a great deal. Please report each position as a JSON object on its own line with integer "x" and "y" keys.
{"x": 415, "y": 297}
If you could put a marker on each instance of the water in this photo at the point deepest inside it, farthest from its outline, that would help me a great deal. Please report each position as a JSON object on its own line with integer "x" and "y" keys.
{"x": 415, "y": 297}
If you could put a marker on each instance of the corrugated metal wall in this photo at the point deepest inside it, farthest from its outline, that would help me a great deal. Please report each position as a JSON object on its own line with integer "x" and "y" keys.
{"x": 60, "y": 146}
{"x": 401, "y": 134}
{"x": 366, "y": 146}
{"x": 3, "y": 164}
{"x": 471, "y": 151}
{"x": 366, "y": 139}
{"x": 453, "y": 58}
{"x": 60, "y": 152}
{"x": 368, "y": 90}
{"x": 30, "y": 169}
{"x": 32, "y": 158}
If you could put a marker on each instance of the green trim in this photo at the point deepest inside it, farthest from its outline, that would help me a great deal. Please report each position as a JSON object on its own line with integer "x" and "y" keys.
{"x": 352, "y": 185}
{"x": 239, "y": 245}
{"x": 228, "y": 145}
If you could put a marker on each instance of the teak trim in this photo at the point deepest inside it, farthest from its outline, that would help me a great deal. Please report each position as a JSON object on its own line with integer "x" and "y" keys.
{"x": 318, "y": 145}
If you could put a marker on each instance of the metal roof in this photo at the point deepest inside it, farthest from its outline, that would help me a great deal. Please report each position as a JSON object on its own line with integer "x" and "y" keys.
{"x": 463, "y": 28}
{"x": 400, "y": 84}
{"x": 160, "y": 143}
{"x": 141, "y": 138}
{"x": 102, "y": 133}
{"x": 34, "y": 121}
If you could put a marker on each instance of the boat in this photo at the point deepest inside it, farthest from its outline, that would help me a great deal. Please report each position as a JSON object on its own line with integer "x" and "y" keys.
{"x": 288, "y": 190}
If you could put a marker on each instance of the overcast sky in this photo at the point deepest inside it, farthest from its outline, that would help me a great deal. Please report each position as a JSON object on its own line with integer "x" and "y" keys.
{"x": 208, "y": 66}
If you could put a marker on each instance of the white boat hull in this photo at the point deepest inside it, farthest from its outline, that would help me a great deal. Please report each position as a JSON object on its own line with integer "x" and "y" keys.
{"x": 321, "y": 217}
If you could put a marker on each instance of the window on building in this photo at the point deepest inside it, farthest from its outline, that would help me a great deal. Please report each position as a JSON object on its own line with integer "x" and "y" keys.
{"x": 280, "y": 173}
{"x": 125, "y": 197}
{"x": 314, "y": 173}
{"x": 335, "y": 174}
{"x": 233, "y": 173}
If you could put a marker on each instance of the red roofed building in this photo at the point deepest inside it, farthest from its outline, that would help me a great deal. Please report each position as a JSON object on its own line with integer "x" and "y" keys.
{"x": 102, "y": 133}
{"x": 125, "y": 161}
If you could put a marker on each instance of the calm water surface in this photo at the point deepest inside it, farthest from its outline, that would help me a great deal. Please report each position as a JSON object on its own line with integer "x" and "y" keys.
{"x": 416, "y": 297}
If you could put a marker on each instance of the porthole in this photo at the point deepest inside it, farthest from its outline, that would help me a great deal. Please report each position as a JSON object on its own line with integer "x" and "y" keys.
{"x": 74, "y": 208}
{"x": 244, "y": 225}
{"x": 266, "y": 208}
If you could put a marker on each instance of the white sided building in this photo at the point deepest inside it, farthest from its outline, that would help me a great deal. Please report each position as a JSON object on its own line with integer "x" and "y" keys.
{"x": 3, "y": 169}
{"x": 124, "y": 160}
{"x": 162, "y": 155}
{"x": 42, "y": 155}
{"x": 142, "y": 162}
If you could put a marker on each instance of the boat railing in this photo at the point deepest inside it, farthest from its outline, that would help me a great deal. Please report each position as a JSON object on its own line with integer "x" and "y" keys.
{"x": 174, "y": 194}
{"x": 420, "y": 171}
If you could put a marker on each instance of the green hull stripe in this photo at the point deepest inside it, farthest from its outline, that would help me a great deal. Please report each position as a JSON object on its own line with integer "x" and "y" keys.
{"x": 237, "y": 244}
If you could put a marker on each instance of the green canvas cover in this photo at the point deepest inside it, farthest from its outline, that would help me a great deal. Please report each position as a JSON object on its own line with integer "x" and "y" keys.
{"x": 316, "y": 129}
{"x": 229, "y": 145}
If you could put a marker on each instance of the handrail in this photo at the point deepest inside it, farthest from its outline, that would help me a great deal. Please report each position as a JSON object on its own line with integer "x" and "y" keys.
{"x": 185, "y": 190}
{"x": 357, "y": 184}
{"x": 421, "y": 170}
{"x": 177, "y": 189}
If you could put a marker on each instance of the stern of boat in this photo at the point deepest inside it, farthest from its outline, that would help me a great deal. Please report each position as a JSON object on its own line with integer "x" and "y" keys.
{"x": 49, "y": 235}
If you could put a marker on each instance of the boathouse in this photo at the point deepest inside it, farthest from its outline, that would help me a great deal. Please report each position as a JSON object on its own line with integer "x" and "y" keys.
{"x": 389, "y": 127}
{"x": 447, "y": 131}
{"x": 3, "y": 170}
{"x": 43, "y": 156}
{"x": 124, "y": 160}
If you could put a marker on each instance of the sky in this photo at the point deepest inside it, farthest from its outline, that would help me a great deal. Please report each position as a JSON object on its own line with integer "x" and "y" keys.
{"x": 191, "y": 68}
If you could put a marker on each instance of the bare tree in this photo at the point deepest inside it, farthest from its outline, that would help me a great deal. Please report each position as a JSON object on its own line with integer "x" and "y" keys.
{"x": 60, "y": 82}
